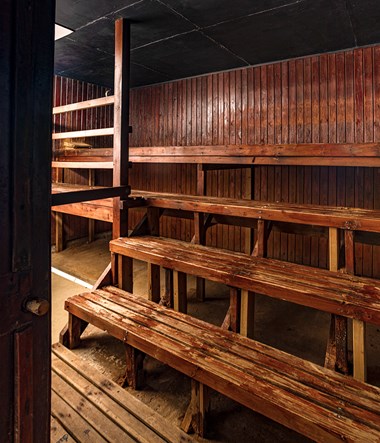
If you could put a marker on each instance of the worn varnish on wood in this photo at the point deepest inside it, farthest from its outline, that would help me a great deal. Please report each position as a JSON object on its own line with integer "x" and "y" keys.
{"x": 333, "y": 292}
{"x": 312, "y": 400}
{"x": 88, "y": 407}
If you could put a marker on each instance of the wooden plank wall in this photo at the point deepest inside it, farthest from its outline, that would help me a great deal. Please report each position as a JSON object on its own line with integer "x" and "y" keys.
{"x": 68, "y": 91}
{"x": 326, "y": 98}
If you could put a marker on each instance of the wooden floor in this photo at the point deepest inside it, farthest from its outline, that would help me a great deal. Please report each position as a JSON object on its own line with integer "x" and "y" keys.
{"x": 87, "y": 407}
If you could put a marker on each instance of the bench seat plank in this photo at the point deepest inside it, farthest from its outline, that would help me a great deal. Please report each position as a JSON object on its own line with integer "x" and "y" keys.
{"x": 333, "y": 292}
{"x": 318, "y": 215}
{"x": 312, "y": 400}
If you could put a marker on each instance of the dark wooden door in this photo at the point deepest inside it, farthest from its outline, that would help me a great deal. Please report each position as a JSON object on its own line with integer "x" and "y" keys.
{"x": 26, "y": 74}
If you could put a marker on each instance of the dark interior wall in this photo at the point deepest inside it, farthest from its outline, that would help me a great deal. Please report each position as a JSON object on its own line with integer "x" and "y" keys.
{"x": 327, "y": 98}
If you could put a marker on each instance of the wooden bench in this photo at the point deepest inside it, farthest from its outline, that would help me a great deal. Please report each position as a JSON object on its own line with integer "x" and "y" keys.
{"x": 333, "y": 292}
{"x": 313, "y": 215}
{"x": 90, "y": 408}
{"x": 312, "y": 400}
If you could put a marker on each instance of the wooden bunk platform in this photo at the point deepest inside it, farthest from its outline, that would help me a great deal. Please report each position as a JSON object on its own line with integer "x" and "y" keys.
{"x": 88, "y": 407}
{"x": 95, "y": 209}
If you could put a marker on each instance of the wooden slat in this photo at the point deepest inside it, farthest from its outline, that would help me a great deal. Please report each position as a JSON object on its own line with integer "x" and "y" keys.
{"x": 88, "y": 411}
{"x": 82, "y": 164}
{"x": 264, "y": 150}
{"x": 270, "y": 391}
{"x": 248, "y": 160}
{"x": 84, "y": 133}
{"x": 80, "y": 429}
{"x": 102, "y": 101}
{"x": 130, "y": 414}
{"x": 59, "y": 433}
{"x": 99, "y": 210}
{"x": 336, "y": 293}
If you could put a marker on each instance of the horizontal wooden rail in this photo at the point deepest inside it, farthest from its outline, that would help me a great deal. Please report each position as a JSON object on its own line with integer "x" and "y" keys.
{"x": 85, "y": 133}
{"x": 89, "y": 194}
{"x": 225, "y": 156}
{"x": 94, "y": 103}
{"x": 278, "y": 150}
{"x": 82, "y": 164}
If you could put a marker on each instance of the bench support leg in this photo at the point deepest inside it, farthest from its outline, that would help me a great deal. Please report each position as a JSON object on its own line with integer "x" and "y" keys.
{"x": 59, "y": 240}
{"x": 167, "y": 297}
{"x": 125, "y": 273}
{"x": 232, "y": 318}
{"x": 154, "y": 286}
{"x": 180, "y": 291}
{"x": 358, "y": 327}
{"x": 359, "y": 351}
{"x": 195, "y": 416}
{"x": 247, "y": 313}
{"x": 336, "y": 352}
{"x": 134, "y": 368}
{"x": 71, "y": 333}
{"x": 122, "y": 272}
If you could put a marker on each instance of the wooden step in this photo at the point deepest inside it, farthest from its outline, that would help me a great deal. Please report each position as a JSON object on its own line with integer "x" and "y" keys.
{"x": 333, "y": 292}
{"x": 89, "y": 407}
{"x": 312, "y": 400}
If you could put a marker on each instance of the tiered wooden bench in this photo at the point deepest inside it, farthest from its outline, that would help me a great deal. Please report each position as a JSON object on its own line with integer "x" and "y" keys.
{"x": 314, "y": 401}
{"x": 88, "y": 407}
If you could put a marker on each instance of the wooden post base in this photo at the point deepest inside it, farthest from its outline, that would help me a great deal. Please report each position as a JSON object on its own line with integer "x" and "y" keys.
{"x": 337, "y": 346}
{"x": 232, "y": 319}
{"x": 167, "y": 298}
{"x": 134, "y": 374}
{"x": 71, "y": 333}
{"x": 196, "y": 413}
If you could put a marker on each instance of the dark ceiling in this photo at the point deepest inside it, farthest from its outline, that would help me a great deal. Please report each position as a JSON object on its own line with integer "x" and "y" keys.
{"x": 173, "y": 39}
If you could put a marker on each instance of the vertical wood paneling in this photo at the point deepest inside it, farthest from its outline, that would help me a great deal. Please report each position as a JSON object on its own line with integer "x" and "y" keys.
{"x": 327, "y": 98}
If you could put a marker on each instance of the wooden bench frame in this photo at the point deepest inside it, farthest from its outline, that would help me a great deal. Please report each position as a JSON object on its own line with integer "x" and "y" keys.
{"x": 314, "y": 401}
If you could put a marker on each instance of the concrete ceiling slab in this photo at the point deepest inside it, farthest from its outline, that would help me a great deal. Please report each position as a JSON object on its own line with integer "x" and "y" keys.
{"x": 180, "y": 38}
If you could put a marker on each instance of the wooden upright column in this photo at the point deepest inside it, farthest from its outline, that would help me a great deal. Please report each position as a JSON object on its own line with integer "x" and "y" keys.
{"x": 91, "y": 221}
{"x": 336, "y": 353}
{"x": 247, "y": 299}
{"x": 358, "y": 326}
{"x": 199, "y": 227}
{"x": 121, "y": 145}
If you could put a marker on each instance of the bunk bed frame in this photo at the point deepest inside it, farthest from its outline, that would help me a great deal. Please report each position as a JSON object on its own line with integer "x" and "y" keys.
{"x": 337, "y": 407}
